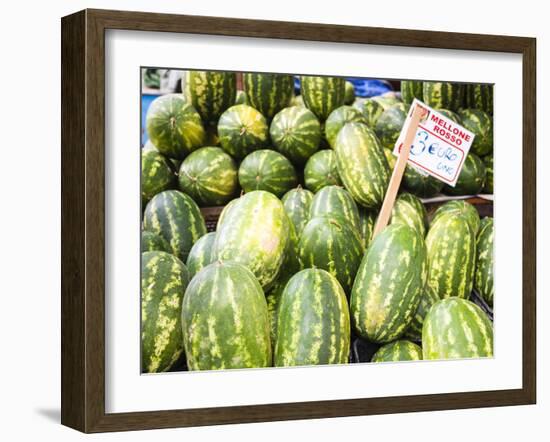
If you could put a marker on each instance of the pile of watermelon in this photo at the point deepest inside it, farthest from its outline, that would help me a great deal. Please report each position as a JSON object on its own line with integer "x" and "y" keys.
{"x": 291, "y": 274}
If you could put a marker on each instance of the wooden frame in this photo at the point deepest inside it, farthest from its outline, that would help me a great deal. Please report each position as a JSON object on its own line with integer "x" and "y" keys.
{"x": 83, "y": 215}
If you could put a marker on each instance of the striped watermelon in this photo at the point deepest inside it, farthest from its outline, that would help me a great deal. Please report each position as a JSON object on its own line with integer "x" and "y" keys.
{"x": 267, "y": 170}
{"x": 428, "y": 298}
{"x": 157, "y": 174}
{"x": 273, "y": 299}
{"x": 224, "y": 319}
{"x": 335, "y": 201}
{"x": 481, "y": 124}
{"x": 453, "y": 116}
{"x": 362, "y": 165}
{"x": 268, "y": 93}
{"x": 488, "y": 161}
{"x": 150, "y": 241}
{"x": 459, "y": 207}
{"x": 227, "y": 208}
{"x": 201, "y": 254}
{"x": 390, "y": 157}
{"x": 367, "y": 220}
{"x": 441, "y": 95}
{"x": 471, "y": 179}
{"x": 241, "y": 97}
{"x": 456, "y": 328}
{"x": 291, "y": 261}
{"x": 388, "y": 99}
{"x": 349, "y": 94}
{"x": 210, "y": 92}
{"x": 401, "y": 350}
{"x": 389, "y": 124}
{"x": 419, "y": 184}
{"x": 411, "y": 89}
{"x": 297, "y": 203}
{"x": 296, "y": 133}
{"x": 338, "y": 118}
{"x": 175, "y": 216}
{"x": 479, "y": 96}
{"x": 451, "y": 248}
{"x": 174, "y": 126}
{"x": 323, "y": 94}
{"x": 332, "y": 244}
{"x": 209, "y": 176}
{"x": 370, "y": 109}
{"x": 321, "y": 171}
{"x": 163, "y": 281}
{"x": 484, "y": 273}
{"x": 409, "y": 210}
{"x": 242, "y": 129}
{"x": 389, "y": 283}
{"x": 255, "y": 233}
{"x": 313, "y": 326}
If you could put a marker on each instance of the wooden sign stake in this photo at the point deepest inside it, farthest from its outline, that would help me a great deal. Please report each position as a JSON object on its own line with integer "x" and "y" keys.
{"x": 398, "y": 170}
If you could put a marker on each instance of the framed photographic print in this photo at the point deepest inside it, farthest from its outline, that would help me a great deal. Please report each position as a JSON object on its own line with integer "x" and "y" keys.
{"x": 225, "y": 253}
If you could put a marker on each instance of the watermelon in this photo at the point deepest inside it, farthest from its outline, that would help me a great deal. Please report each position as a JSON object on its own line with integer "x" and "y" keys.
{"x": 411, "y": 89}
{"x": 387, "y": 100}
{"x": 484, "y": 273}
{"x": 390, "y": 157}
{"x": 389, "y": 124}
{"x": 323, "y": 94}
{"x": 456, "y": 328}
{"x": 297, "y": 203}
{"x": 176, "y": 217}
{"x": 453, "y": 116}
{"x": 209, "y": 176}
{"x": 428, "y": 298}
{"x": 163, "y": 281}
{"x": 210, "y": 92}
{"x": 291, "y": 261}
{"x": 241, "y": 97}
{"x": 174, "y": 126}
{"x": 370, "y": 109}
{"x": 331, "y": 243}
{"x": 201, "y": 254}
{"x": 401, "y": 350}
{"x": 409, "y": 210}
{"x": 488, "y": 161}
{"x": 255, "y": 233}
{"x": 362, "y": 165}
{"x": 224, "y": 319}
{"x": 227, "y": 208}
{"x": 313, "y": 325}
{"x": 338, "y": 118}
{"x": 273, "y": 299}
{"x": 150, "y": 241}
{"x": 451, "y": 248}
{"x": 268, "y": 93}
{"x": 157, "y": 174}
{"x": 441, "y": 95}
{"x": 471, "y": 179}
{"x": 267, "y": 170}
{"x": 298, "y": 100}
{"x": 321, "y": 171}
{"x": 296, "y": 133}
{"x": 419, "y": 184}
{"x": 335, "y": 201}
{"x": 389, "y": 283}
{"x": 481, "y": 124}
{"x": 242, "y": 129}
{"x": 479, "y": 96}
{"x": 417, "y": 203}
{"x": 367, "y": 220}
{"x": 349, "y": 94}
{"x": 459, "y": 207}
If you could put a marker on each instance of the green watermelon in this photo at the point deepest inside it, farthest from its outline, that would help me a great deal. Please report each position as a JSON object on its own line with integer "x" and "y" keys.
{"x": 389, "y": 124}
{"x": 367, "y": 220}
{"x": 176, "y": 217}
{"x": 338, "y": 118}
{"x": 336, "y": 201}
{"x": 389, "y": 283}
{"x": 150, "y": 241}
{"x": 157, "y": 174}
{"x": 428, "y": 298}
{"x": 267, "y": 170}
{"x": 411, "y": 89}
{"x": 417, "y": 203}
{"x": 209, "y": 176}
{"x": 370, "y": 109}
{"x": 400, "y": 350}
{"x": 409, "y": 210}
{"x": 163, "y": 281}
{"x": 321, "y": 171}
{"x": 441, "y": 95}
{"x": 419, "y": 184}
{"x": 268, "y": 93}
{"x": 484, "y": 273}
{"x": 201, "y": 254}
{"x": 242, "y": 129}
{"x": 296, "y": 133}
{"x": 388, "y": 99}
{"x": 453, "y": 116}
{"x": 241, "y": 97}
{"x": 331, "y": 243}
{"x": 456, "y": 328}
{"x": 349, "y": 94}
{"x": 273, "y": 299}
{"x": 390, "y": 157}
{"x": 210, "y": 92}
{"x": 362, "y": 165}
{"x": 174, "y": 126}
{"x": 451, "y": 248}
{"x": 323, "y": 94}
{"x": 479, "y": 96}
{"x": 255, "y": 233}
{"x": 227, "y": 208}
{"x": 291, "y": 261}
{"x": 488, "y": 161}
{"x": 313, "y": 326}
{"x": 459, "y": 207}
{"x": 297, "y": 203}
{"x": 481, "y": 124}
{"x": 225, "y": 320}
{"x": 471, "y": 179}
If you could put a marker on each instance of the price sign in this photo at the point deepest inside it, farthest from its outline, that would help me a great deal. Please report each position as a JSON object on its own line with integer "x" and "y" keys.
{"x": 440, "y": 145}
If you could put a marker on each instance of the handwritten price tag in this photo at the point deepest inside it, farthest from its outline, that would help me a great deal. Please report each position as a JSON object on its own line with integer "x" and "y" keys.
{"x": 439, "y": 147}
